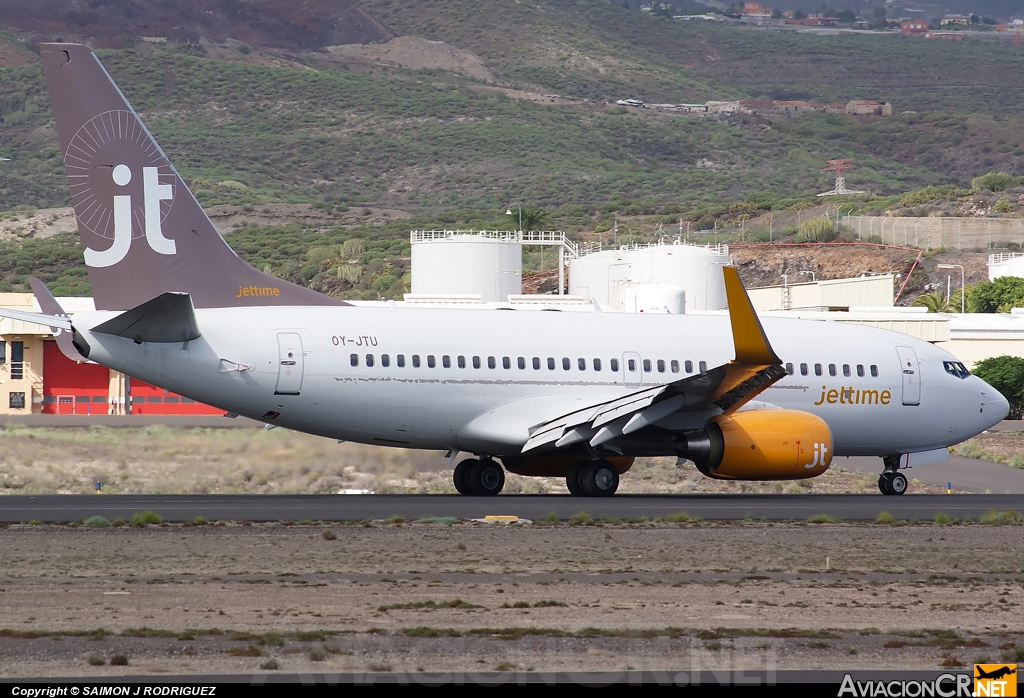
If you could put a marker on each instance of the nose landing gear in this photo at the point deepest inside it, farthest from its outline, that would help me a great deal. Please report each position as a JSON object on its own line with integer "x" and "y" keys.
{"x": 891, "y": 481}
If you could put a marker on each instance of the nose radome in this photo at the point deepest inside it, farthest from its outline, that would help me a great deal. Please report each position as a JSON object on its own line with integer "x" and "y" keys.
{"x": 996, "y": 407}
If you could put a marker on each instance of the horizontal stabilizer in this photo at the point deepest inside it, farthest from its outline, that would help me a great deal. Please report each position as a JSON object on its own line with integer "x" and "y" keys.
{"x": 52, "y": 321}
{"x": 167, "y": 318}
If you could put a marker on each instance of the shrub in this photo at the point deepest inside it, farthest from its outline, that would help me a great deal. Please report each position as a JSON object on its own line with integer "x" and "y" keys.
{"x": 146, "y": 518}
{"x": 96, "y": 522}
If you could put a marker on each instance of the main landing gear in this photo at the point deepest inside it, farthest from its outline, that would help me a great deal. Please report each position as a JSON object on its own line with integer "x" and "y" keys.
{"x": 594, "y": 478}
{"x": 481, "y": 477}
{"x": 891, "y": 481}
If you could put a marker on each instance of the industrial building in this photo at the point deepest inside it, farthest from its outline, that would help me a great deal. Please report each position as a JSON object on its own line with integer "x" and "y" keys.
{"x": 35, "y": 377}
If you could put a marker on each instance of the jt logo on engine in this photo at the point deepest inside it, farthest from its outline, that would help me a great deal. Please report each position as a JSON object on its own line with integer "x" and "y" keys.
{"x": 153, "y": 194}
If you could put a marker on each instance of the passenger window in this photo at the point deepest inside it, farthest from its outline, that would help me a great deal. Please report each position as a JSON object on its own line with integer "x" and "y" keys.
{"x": 476, "y": 362}
{"x": 631, "y": 364}
{"x": 832, "y": 369}
{"x": 430, "y": 361}
{"x": 803, "y": 369}
{"x": 675, "y": 366}
{"x": 860, "y": 370}
{"x": 521, "y": 362}
{"x": 506, "y": 362}
{"x": 703, "y": 366}
{"x": 846, "y": 370}
{"x": 597, "y": 364}
{"x": 581, "y": 364}
{"x": 354, "y": 359}
{"x": 536, "y": 363}
{"x": 688, "y": 365}
{"x": 446, "y": 361}
{"x": 566, "y": 364}
{"x": 789, "y": 369}
{"x": 400, "y": 360}
{"x": 874, "y": 371}
{"x": 385, "y": 360}
{"x": 491, "y": 363}
{"x": 647, "y": 365}
{"x": 817, "y": 369}
{"x": 661, "y": 365}
{"x": 369, "y": 359}
{"x": 614, "y": 364}
{"x": 462, "y": 362}
{"x": 415, "y": 360}
{"x": 551, "y": 363}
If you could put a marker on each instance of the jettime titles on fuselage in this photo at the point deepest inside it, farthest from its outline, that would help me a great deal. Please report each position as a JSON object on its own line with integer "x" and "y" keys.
{"x": 851, "y": 396}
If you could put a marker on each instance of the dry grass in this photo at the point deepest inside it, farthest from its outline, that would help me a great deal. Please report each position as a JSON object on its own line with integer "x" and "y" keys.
{"x": 168, "y": 460}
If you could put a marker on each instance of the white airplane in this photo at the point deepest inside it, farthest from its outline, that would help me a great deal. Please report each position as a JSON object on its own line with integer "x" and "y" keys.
{"x": 578, "y": 395}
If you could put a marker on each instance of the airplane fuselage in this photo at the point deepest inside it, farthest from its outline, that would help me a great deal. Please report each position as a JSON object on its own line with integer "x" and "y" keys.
{"x": 477, "y": 380}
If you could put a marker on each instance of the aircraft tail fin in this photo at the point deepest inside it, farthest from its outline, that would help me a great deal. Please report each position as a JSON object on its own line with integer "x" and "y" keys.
{"x": 142, "y": 230}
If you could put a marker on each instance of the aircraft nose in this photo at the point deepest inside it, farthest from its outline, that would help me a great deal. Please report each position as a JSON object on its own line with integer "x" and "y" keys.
{"x": 995, "y": 407}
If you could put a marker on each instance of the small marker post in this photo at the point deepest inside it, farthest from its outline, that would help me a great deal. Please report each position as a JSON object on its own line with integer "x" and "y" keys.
{"x": 99, "y": 487}
{"x": 949, "y": 488}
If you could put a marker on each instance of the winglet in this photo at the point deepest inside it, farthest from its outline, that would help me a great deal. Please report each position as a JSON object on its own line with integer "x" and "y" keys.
{"x": 752, "y": 345}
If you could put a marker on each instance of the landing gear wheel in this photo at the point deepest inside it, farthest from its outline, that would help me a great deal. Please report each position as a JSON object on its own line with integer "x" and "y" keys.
{"x": 485, "y": 478}
{"x": 599, "y": 478}
{"x": 460, "y": 475}
{"x": 572, "y": 479}
{"x": 883, "y": 484}
{"x": 892, "y": 483}
{"x": 897, "y": 483}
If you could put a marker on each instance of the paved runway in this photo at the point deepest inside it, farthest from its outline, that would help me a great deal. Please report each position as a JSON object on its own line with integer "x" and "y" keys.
{"x": 965, "y": 474}
{"x": 259, "y": 508}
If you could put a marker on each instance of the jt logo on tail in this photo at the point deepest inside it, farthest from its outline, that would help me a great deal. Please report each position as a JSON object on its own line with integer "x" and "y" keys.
{"x": 153, "y": 194}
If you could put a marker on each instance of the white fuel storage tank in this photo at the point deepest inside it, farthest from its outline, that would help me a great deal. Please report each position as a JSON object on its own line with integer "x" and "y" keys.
{"x": 673, "y": 276}
{"x": 448, "y": 262}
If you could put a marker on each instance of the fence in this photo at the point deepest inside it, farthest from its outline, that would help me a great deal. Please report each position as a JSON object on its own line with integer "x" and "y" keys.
{"x": 937, "y": 232}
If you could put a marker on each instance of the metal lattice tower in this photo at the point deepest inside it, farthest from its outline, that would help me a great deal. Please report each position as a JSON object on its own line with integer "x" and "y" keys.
{"x": 839, "y": 167}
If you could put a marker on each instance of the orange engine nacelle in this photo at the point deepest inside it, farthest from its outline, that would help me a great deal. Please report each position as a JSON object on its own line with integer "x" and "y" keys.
{"x": 761, "y": 445}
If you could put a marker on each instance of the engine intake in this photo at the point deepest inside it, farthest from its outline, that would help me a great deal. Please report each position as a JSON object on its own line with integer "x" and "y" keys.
{"x": 761, "y": 445}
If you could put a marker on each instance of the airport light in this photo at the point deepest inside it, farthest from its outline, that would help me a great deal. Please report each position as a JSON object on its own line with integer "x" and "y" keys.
{"x": 963, "y": 294}
{"x": 509, "y": 213}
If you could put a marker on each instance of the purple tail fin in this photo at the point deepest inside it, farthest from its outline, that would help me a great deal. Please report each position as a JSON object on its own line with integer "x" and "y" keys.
{"x": 143, "y": 232}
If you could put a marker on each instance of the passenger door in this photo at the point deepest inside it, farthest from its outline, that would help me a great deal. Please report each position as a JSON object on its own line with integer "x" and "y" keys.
{"x": 290, "y": 365}
{"x": 911, "y": 376}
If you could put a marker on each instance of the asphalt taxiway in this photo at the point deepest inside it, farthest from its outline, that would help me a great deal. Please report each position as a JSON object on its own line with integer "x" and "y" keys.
{"x": 712, "y": 507}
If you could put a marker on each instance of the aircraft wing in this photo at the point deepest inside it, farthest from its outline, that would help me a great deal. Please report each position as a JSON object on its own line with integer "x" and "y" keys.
{"x": 727, "y": 387}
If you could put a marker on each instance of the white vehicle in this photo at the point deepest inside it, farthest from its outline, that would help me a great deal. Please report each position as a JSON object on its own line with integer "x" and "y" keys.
{"x": 578, "y": 395}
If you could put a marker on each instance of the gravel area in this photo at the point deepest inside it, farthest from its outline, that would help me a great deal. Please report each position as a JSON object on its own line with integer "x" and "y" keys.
{"x": 435, "y": 597}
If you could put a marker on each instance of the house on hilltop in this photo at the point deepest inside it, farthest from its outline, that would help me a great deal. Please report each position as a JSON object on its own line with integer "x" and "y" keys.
{"x": 914, "y": 27}
{"x": 753, "y": 12}
{"x": 868, "y": 107}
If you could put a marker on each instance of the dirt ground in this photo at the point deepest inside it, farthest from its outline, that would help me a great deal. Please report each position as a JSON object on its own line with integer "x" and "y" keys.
{"x": 435, "y": 597}
{"x": 416, "y": 53}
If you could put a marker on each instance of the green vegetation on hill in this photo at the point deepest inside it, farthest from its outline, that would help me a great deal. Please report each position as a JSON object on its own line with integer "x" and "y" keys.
{"x": 454, "y": 152}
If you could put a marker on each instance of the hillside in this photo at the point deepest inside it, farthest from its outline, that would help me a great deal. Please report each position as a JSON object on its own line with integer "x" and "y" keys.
{"x": 476, "y": 106}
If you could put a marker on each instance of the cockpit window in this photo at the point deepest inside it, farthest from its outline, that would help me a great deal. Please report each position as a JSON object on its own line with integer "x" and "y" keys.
{"x": 955, "y": 368}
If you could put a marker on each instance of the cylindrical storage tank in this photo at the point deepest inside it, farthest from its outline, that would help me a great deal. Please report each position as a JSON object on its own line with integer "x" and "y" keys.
{"x": 467, "y": 264}
{"x": 607, "y": 276}
{"x": 656, "y": 298}
{"x": 599, "y": 276}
